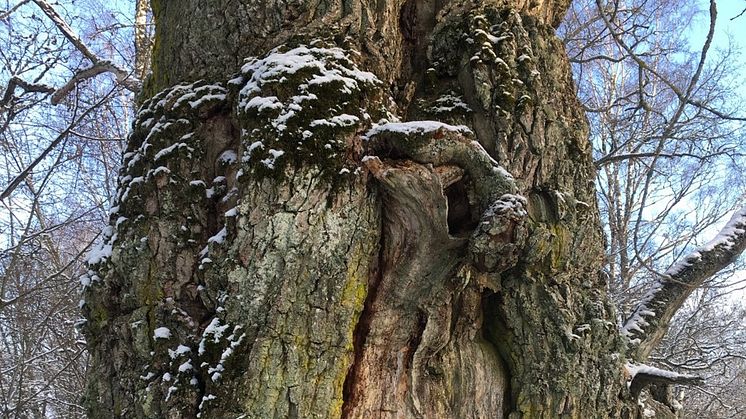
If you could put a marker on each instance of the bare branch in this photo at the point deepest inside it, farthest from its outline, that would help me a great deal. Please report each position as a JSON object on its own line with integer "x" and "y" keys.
{"x": 62, "y": 92}
{"x": 629, "y": 156}
{"x": 649, "y": 321}
{"x": 61, "y": 136}
{"x": 684, "y": 97}
{"x": 4, "y": 14}
{"x": 124, "y": 77}
{"x": 66, "y": 30}
{"x": 49, "y": 278}
{"x": 96, "y": 138}
{"x": 738, "y": 15}
{"x": 29, "y": 87}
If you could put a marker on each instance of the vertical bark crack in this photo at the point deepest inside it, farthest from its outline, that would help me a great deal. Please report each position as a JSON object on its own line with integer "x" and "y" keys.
{"x": 360, "y": 334}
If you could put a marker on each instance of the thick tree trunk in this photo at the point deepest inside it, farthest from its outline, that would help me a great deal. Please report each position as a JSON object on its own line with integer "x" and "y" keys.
{"x": 282, "y": 246}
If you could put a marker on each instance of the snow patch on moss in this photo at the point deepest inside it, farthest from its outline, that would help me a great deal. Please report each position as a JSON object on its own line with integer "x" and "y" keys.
{"x": 415, "y": 127}
{"x": 304, "y": 103}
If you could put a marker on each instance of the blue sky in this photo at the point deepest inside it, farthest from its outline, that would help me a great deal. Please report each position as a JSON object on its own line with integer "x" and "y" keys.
{"x": 728, "y": 27}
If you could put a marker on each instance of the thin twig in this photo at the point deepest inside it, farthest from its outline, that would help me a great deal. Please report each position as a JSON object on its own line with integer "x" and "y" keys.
{"x": 4, "y": 15}
{"x": 22, "y": 176}
{"x": 99, "y": 66}
{"x": 16, "y": 81}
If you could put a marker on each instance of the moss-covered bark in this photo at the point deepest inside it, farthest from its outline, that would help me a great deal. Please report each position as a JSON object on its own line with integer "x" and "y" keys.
{"x": 386, "y": 211}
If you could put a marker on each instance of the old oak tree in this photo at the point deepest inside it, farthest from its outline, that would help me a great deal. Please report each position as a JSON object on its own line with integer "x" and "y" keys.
{"x": 366, "y": 209}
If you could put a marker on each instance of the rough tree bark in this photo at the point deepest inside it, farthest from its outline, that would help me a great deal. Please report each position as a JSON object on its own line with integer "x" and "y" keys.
{"x": 355, "y": 209}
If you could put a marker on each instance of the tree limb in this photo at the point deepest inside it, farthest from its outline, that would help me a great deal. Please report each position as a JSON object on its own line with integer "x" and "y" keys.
{"x": 99, "y": 66}
{"x": 685, "y": 97}
{"x": 649, "y": 321}
{"x": 29, "y": 87}
{"x": 25, "y": 172}
{"x": 4, "y": 14}
{"x": 631, "y": 156}
{"x": 738, "y": 15}
{"x": 643, "y": 375}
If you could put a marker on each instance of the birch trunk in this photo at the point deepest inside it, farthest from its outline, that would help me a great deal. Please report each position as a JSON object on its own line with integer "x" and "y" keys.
{"x": 142, "y": 39}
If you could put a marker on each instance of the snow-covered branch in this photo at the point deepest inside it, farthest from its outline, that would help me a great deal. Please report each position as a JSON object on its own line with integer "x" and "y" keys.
{"x": 99, "y": 67}
{"x": 642, "y": 375}
{"x": 125, "y": 78}
{"x": 649, "y": 321}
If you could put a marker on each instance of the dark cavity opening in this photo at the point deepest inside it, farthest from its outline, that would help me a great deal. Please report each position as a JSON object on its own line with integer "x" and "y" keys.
{"x": 408, "y": 21}
{"x": 461, "y": 219}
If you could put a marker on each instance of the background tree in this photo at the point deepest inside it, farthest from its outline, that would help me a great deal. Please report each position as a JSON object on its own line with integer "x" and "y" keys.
{"x": 61, "y": 136}
{"x": 668, "y": 147}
